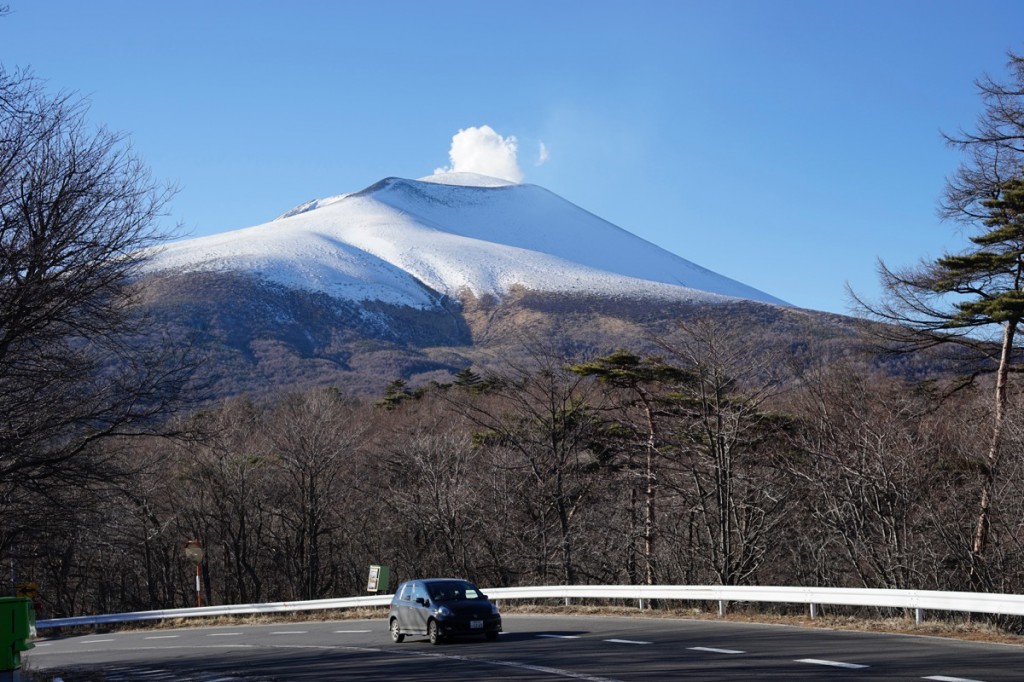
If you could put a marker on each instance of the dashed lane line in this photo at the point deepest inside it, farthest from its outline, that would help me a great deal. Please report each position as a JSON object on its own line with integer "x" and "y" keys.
{"x": 163, "y": 637}
{"x": 120, "y": 674}
{"x": 351, "y": 632}
{"x": 834, "y": 664}
{"x": 224, "y": 634}
{"x": 625, "y": 641}
{"x": 560, "y": 636}
{"x": 715, "y": 650}
{"x": 943, "y": 678}
{"x": 464, "y": 659}
{"x": 290, "y": 632}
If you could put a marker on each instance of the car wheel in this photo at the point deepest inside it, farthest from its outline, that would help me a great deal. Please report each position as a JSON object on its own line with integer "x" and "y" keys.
{"x": 492, "y": 636}
{"x": 433, "y": 632}
{"x": 396, "y": 632}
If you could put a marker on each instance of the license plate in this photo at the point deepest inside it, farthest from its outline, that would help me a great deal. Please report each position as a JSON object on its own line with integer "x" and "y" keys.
{"x": 476, "y": 624}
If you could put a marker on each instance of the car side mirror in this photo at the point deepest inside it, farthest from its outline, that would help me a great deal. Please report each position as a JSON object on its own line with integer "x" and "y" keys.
{"x": 422, "y": 601}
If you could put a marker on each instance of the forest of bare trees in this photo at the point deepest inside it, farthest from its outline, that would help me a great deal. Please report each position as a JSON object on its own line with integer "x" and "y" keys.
{"x": 695, "y": 467}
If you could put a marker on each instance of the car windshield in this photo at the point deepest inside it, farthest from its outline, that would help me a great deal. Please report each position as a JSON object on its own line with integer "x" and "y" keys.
{"x": 453, "y": 590}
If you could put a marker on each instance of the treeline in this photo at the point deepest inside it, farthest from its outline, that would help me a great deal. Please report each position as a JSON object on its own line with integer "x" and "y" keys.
{"x": 701, "y": 466}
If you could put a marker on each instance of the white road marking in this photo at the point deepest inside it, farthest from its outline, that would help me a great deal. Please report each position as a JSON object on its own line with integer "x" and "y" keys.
{"x": 834, "y": 664}
{"x": 560, "y": 636}
{"x": 505, "y": 664}
{"x": 350, "y": 632}
{"x": 466, "y": 659}
{"x": 162, "y": 637}
{"x": 943, "y": 678}
{"x": 713, "y": 650}
{"x": 625, "y": 641}
{"x": 224, "y": 634}
{"x": 97, "y": 641}
{"x": 290, "y": 632}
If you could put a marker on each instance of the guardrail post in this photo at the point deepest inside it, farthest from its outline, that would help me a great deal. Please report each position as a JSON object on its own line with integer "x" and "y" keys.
{"x": 918, "y": 616}
{"x": 721, "y": 608}
{"x": 814, "y": 610}
{"x": 568, "y": 601}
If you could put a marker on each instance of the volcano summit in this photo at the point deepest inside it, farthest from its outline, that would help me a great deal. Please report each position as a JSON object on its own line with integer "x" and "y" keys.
{"x": 414, "y": 242}
{"x": 417, "y": 279}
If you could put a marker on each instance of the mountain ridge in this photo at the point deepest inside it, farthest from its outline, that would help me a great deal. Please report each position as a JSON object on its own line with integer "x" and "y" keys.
{"x": 419, "y": 279}
{"x": 415, "y": 242}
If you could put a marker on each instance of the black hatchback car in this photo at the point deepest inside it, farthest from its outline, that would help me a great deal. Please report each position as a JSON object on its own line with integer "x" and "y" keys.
{"x": 441, "y": 608}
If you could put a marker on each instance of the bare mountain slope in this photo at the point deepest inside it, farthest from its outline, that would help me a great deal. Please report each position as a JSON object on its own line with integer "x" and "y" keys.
{"x": 420, "y": 278}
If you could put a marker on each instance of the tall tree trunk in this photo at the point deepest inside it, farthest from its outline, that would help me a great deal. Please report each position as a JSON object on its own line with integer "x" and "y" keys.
{"x": 981, "y": 528}
{"x": 650, "y": 516}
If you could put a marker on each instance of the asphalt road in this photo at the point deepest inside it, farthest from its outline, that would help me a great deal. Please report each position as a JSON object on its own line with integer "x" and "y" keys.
{"x": 541, "y": 648}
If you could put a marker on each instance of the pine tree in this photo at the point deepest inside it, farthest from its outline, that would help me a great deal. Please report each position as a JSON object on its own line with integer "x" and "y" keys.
{"x": 640, "y": 380}
{"x": 990, "y": 277}
{"x": 954, "y": 298}
{"x": 958, "y": 295}
{"x": 468, "y": 379}
{"x": 394, "y": 395}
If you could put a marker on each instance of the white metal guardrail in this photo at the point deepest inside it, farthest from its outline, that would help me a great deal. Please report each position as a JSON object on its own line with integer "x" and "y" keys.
{"x": 919, "y": 600}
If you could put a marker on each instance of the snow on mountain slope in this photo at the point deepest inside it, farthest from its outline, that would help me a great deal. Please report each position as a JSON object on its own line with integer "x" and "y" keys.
{"x": 400, "y": 241}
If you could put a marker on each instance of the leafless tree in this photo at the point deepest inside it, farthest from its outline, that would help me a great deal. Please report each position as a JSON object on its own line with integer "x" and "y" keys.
{"x": 312, "y": 438}
{"x": 873, "y": 474}
{"x": 433, "y": 495}
{"x": 222, "y": 495}
{"x": 726, "y": 439}
{"x": 538, "y": 425}
{"x": 78, "y": 364}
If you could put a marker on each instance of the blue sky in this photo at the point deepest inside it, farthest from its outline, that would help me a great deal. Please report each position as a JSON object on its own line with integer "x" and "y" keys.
{"x": 785, "y": 143}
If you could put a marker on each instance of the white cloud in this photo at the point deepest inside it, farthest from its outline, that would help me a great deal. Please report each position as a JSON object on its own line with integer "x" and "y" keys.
{"x": 482, "y": 150}
{"x": 543, "y": 154}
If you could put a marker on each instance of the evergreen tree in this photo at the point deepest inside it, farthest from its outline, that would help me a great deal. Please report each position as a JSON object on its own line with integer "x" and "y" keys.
{"x": 468, "y": 379}
{"x": 642, "y": 382}
{"x": 953, "y": 298}
{"x": 950, "y": 300}
{"x": 394, "y": 395}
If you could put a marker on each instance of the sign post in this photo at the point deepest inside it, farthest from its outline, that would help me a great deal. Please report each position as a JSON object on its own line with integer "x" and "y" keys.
{"x": 194, "y": 551}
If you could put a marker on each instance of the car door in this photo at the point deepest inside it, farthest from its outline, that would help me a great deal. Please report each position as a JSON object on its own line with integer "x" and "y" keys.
{"x": 419, "y": 609}
{"x": 404, "y": 607}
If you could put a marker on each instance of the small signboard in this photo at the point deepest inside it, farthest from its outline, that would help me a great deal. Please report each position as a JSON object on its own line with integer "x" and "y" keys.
{"x": 379, "y": 579}
{"x": 194, "y": 551}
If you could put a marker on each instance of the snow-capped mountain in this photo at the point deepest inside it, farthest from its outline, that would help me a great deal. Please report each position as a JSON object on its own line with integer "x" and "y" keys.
{"x": 416, "y": 242}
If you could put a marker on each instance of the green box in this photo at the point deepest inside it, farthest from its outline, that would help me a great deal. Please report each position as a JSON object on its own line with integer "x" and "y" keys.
{"x": 380, "y": 576}
{"x": 17, "y": 628}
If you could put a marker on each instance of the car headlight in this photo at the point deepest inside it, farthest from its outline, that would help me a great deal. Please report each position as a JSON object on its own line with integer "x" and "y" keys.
{"x": 494, "y": 610}
{"x": 442, "y": 611}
